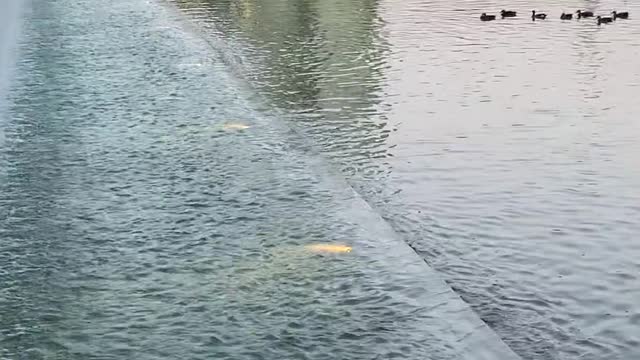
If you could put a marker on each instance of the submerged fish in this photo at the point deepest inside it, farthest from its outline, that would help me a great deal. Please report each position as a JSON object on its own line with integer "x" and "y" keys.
{"x": 235, "y": 126}
{"x": 329, "y": 248}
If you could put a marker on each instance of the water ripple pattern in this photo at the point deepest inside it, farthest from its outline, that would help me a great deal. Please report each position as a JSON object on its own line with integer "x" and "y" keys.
{"x": 150, "y": 209}
{"x": 503, "y": 152}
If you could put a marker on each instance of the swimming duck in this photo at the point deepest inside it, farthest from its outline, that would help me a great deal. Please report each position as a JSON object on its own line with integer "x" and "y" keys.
{"x": 604, "y": 20}
{"x": 566, "y": 16}
{"x": 485, "y": 17}
{"x": 620, "y": 15}
{"x": 507, "y": 13}
{"x": 584, "y": 14}
{"x": 537, "y": 16}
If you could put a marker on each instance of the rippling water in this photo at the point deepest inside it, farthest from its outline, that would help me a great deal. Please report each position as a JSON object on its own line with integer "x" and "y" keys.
{"x": 160, "y": 179}
{"x": 153, "y": 205}
{"x": 9, "y": 28}
{"x": 503, "y": 152}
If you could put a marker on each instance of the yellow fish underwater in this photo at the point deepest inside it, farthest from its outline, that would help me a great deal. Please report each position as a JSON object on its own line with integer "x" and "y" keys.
{"x": 235, "y": 126}
{"x": 328, "y": 248}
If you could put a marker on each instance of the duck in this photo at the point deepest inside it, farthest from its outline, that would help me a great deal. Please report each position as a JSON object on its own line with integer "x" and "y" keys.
{"x": 485, "y": 17}
{"x": 538, "y": 16}
{"x": 604, "y": 20}
{"x": 620, "y": 15}
{"x": 566, "y": 16}
{"x": 584, "y": 14}
{"x": 507, "y": 13}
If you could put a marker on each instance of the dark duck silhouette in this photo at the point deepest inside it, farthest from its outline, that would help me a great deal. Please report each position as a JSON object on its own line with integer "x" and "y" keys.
{"x": 604, "y": 20}
{"x": 485, "y": 17}
{"x": 584, "y": 14}
{"x": 540, "y": 16}
{"x": 566, "y": 16}
{"x": 507, "y": 13}
{"x": 620, "y": 15}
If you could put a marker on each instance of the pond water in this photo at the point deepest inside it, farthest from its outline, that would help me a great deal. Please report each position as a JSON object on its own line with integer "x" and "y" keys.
{"x": 175, "y": 173}
{"x": 153, "y": 206}
{"x": 504, "y": 152}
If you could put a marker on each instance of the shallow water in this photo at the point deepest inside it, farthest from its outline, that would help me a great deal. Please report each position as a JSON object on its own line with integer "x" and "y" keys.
{"x": 163, "y": 171}
{"x": 503, "y": 152}
{"x": 10, "y": 16}
{"x": 153, "y": 205}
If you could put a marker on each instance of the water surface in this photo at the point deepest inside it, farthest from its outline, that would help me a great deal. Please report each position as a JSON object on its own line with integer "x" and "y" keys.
{"x": 503, "y": 152}
{"x": 153, "y": 205}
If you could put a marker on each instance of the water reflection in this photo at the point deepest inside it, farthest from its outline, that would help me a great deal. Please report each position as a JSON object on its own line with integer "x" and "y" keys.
{"x": 321, "y": 61}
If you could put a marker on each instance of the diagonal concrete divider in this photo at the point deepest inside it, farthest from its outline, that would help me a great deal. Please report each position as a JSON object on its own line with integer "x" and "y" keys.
{"x": 443, "y": 312}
